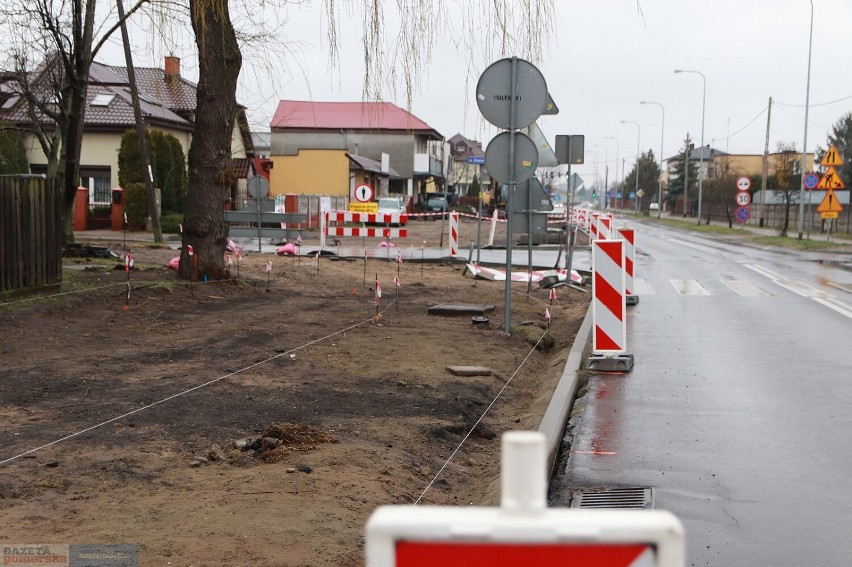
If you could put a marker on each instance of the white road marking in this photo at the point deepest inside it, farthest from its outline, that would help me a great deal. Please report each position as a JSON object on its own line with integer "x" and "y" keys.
{"x": 743, "y": 288}
{"x": 805, "y": 290}
{"x": 689, "y": 287}
{"x": 643, "y": 287}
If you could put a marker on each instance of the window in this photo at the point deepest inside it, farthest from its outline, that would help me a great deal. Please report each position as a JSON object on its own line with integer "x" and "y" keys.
{"x": 102, "y": 99}
{"x": 460, "y": 148}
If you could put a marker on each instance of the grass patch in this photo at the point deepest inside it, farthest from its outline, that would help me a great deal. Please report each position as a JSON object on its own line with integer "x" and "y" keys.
{"x": 792, "y": 242}
{"x": 691, "y": 224}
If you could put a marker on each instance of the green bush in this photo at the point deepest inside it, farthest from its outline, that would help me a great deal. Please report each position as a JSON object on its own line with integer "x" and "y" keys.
{"x": 171, "y": 221}
{"x": 136, "y": 205}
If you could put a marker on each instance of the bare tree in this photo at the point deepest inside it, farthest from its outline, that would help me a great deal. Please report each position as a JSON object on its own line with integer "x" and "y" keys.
{"x": 54, "y": 45}
{"x": 784, "y": 182}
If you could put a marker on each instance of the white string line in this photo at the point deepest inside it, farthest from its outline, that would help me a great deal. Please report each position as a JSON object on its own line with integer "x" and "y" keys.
{"x": 198, "y": 387}
{"x": 40, "y": 297}
{"x": 481, "y": 417}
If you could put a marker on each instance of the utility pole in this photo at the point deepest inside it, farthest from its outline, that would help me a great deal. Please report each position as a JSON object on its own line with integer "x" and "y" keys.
{"x": 765, "y": 167}
{"x": 140, "y": 129}
{"x": 686, "y": 173}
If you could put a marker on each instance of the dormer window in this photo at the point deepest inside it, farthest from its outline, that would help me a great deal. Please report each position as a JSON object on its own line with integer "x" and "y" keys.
{"x": 460, "y": 147}
{"x": 103, "y": 99}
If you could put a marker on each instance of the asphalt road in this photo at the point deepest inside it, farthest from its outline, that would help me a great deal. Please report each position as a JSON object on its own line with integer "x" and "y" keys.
{"x": 739, "y": 408}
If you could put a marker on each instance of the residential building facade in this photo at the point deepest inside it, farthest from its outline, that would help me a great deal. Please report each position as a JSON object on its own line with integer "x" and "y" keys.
{"x": 316, "y": 141}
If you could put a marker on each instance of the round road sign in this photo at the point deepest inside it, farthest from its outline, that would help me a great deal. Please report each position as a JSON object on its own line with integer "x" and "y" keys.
{"x": 363, "y": 193}
{"x": 811, "y": 180}
{"x": 495, "y": 91}
{"x": 743, "y": 214}
{"x": 497, "y": 157}
{"x": 743, "y": 183}
{"x": 743, "y": 198}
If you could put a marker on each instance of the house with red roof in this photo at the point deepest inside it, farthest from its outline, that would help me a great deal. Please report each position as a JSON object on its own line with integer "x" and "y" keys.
{"x": 167, "y": 103}
{"x": 326, "y": 148}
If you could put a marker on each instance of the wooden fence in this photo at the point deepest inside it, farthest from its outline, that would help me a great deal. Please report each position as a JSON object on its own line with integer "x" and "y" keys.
{"x": 30, "y": 232}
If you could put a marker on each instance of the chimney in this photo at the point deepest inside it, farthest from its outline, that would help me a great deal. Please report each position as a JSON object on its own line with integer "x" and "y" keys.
{"x": 172, "y": 66}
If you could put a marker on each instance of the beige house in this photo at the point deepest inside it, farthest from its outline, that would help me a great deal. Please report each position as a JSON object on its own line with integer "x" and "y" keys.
{"x": 716, "y": 163}
{"x": 167, "y": 103}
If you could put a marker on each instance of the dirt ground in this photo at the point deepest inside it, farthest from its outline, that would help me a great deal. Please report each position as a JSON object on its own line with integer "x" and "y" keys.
{"x": 253, "y": 423}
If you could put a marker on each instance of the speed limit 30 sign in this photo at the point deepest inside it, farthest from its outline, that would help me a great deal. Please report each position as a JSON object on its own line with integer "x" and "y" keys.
{"x": 743, "y": 198}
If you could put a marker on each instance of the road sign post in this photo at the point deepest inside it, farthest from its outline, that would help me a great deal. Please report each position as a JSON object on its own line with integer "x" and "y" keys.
{"x": 511, "y": 94}
{"x": 522, "y": 530}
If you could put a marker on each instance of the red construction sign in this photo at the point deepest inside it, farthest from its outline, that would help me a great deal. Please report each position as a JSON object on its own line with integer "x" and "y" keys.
{"x": 431, "y": 554}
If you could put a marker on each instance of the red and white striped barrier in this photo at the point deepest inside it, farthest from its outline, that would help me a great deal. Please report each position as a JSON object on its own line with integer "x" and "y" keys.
{"x": 454, "y": 234}
{"x": 605, "y": 227}
{"x": 378, "y": 232}
{"x": 592, "y": 230}
{"x": 609, "y": 339}
{"x": 369, "y": 218}
{"x": 349, "y": 216}
{"x": 629, "y": 237}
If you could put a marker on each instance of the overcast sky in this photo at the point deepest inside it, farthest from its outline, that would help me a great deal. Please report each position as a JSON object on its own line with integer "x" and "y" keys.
{"x": 603, "y": 58}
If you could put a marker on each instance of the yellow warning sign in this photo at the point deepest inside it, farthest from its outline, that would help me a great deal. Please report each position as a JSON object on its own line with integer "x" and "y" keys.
{"x": 830, "y": 203}
{"x": 364, "y": 207}
{"x": 828, "y": 215}
{"x": 831, "y": 180}
{"x": 831, "y": 158}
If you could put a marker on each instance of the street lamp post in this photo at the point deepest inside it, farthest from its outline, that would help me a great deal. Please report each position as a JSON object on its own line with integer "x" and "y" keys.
{"x": 638, "y": 146}
{"x": 606, "y": 173}
{"x": 617, "y": 183}
{"x": 662, "y": 131}
{"x": 701, "y": 154}
{"x": 805, "y": 141}
{"x": 595, "y": 174}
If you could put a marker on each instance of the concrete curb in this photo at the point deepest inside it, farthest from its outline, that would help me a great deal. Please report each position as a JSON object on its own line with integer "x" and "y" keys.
{"x": 556, "y": 415}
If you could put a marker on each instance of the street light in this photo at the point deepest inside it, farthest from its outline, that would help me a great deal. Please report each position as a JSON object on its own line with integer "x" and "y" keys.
{"x": 606, "y": 172}
{"x": 638, "y": 138}
{"x": 595, "y": 173}
{"x": 662, "y": 131}
{"x": 700, "y": 155}
{"x": 805, "y": 141}
{"x": 617, "y": 184}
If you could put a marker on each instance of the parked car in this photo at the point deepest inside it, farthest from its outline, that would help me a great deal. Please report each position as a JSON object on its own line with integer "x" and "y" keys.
{"x": 390, "y": 206}
{"x": 437, "y": 205}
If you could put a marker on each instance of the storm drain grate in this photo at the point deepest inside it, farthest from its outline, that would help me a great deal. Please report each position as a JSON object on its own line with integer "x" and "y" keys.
{"x": 614, "y": 498}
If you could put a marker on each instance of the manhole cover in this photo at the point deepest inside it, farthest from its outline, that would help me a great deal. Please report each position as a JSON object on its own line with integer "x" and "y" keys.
{"x": 614, "y": 498}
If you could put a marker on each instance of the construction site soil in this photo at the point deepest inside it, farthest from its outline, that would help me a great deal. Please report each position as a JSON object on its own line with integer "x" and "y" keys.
{"x": 260, "y": 420}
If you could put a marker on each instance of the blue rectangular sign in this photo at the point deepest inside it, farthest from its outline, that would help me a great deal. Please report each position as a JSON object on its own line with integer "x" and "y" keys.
{"x": 476, "y": 160}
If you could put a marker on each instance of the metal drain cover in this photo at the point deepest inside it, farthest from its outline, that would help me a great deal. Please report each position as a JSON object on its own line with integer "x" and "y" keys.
{"x": 614, "y": 498}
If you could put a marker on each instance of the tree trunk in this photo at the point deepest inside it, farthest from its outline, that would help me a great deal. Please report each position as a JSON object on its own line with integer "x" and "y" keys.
{"x": 210, "y": 172}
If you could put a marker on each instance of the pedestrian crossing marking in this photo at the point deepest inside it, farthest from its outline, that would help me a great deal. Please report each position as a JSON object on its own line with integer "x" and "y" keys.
{"x": 743, "y": 288}
{"x": 688, "y": 287}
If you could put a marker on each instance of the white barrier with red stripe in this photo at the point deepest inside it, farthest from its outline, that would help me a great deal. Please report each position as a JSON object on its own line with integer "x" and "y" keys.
{"x": 605, "y": 227}
{"x": 608, "y": 303}
{"x": 379, "y": 232}
{"x": 370, "y": 218}
{"x": 629, "y": 236}
{"x": 454, "y": 234}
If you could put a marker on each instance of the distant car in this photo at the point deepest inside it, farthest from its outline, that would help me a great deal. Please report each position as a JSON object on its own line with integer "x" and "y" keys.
{"x": 391, "y": 206}
{"x": 437, "y": 205}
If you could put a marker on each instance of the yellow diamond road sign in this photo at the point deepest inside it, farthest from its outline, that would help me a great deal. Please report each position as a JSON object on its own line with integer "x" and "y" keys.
{"x": 831, "y": 180}
{"x": 831, "y": 158}
{"x": 830, "y": 203}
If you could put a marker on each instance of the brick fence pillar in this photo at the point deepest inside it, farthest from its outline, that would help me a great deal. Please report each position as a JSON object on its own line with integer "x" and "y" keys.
{"x": 81, "y": 209}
